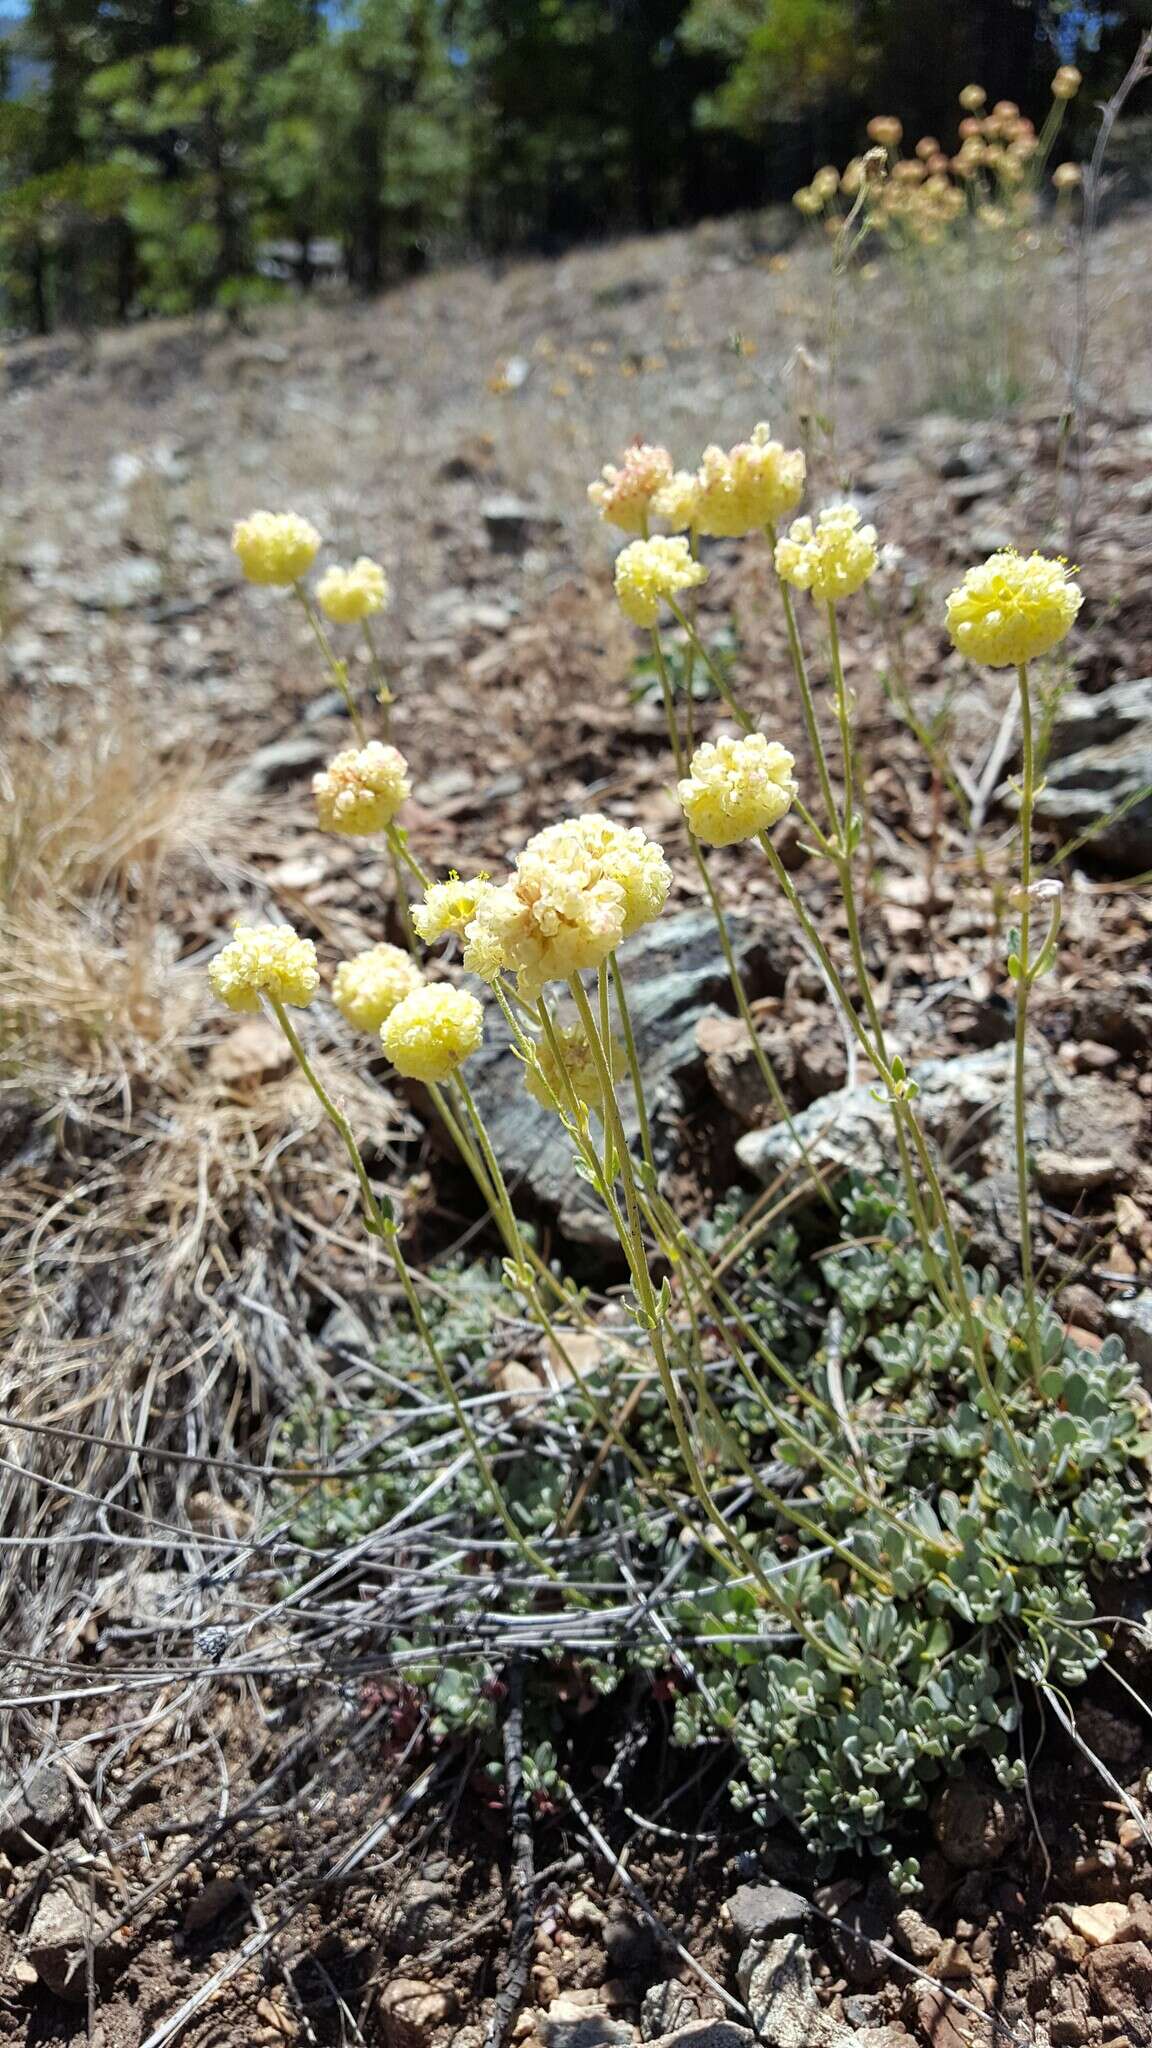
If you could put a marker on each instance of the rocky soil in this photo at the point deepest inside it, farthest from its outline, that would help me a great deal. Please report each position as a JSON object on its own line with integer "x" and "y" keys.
{"x": 241, "y": 1867}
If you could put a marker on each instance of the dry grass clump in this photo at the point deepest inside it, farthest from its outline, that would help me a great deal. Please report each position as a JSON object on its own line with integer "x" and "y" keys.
{"x": 162, "y": 1188}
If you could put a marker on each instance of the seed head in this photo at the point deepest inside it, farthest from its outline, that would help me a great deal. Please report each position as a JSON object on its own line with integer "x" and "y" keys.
{"x": 367, "y": 988}
{"x": 1066, "y": 177}
{"x": 349, "y": 595}
{"x": 432, "y": 1032}
{"x": 886, "y": 130}
{"x": 973, "y": 98}
{"x": 832, "y": 558}
{"x": 1066, "y": 83}
{"x": 737, "y": 788}
{"x": 361, "y": 790}
{"x": 275, "y": 547}
{"x": 1012, "y": 607}
{"x": 265, "y": 959}
{"x": 648, "y": 572}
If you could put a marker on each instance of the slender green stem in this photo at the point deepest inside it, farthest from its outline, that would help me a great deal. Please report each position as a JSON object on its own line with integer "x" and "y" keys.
{"x": 713, "y": 667}
{"x": 1023, "y": 989}
{"x": 382, "y": 1224}
{"x": 670, "y": 718}
{"x": 807, "y": 703}
{"x": 625, "y": 1017}
{"x": 337, "y": 669}
{"x": 384, "y": 696}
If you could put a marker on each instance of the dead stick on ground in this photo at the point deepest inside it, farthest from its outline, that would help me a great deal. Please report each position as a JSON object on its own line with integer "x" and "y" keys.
{"x": 522, "y": 1887}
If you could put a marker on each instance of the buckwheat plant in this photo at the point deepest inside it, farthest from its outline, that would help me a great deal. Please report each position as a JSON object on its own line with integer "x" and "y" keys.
{"x": 880, "y": 1482}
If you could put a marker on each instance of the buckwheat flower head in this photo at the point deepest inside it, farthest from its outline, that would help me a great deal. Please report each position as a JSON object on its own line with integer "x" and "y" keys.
{"x": 1012, "y": 607}
{"x": 623, "y": 496}
{"x": 361, "y": 789}
{"x": 544, "y": 1077}
{"x": 677, "y": 503}
{"x": 275, "y": 547}
{"x": 1066, "y": 83}
{"x": 367, "y": 988}
{"x": 432, "y": 1032}
{"x": 751, "y": 486}
{"x": 832, "y": 557}
{"x": 736, "y": 788}
{"x": 579, "y": 889}
{"x": 449, "y": 907}
{"x": 265, "y": 959}
{"x": 807, "y": 200}
{"x": 1066, "y": 177}
{"x": 973, "y": 98}
{"x": 348, "y": 595}
{"x": 648, "y": 572}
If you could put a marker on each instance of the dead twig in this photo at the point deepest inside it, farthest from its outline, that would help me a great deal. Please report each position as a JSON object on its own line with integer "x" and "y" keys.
{"x": 511, "y": 1992}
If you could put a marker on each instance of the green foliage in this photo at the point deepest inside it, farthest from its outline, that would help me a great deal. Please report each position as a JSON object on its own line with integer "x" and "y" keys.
{"x": 783, "y": 57}
{"x": 958, "y": 1571}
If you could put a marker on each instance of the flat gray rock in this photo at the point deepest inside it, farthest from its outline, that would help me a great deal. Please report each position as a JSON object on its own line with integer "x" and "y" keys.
{"x": 675, "y": 974}
{"x": 1100, "y": 759}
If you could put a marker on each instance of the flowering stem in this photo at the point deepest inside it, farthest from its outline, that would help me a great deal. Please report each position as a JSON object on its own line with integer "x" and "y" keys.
{"x": 384, "y": 696}
{"x": 800, "y": 670}
{"x": 651, "y": 1309}
{"x": 381, "y": 1223}
{"x": 625, "y": 1016}
{"x": 1023, "y": 988}
{"x": 336, "y": 668}
{"x": 907, "y": 1123}
{"x": 714, "y": 670}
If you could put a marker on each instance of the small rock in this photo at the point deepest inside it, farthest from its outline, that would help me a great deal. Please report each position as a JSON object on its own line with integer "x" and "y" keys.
{"x": 757, "y": 1910}
{"x": 633, "y": 1947}
{"x": 666, "y": 2008}
{"x": 136, "y": 580}
{"x": 57, "y": 1942}
{"x": 278, "y": 765}
{"x": 583, "y": 1913}
{"x": 33, "y": 1809}
{"x": 975, "y": 1823}
{"x": 1120, "y": 1976}
{"x": 410, "y": 2012}
{"x": 1079, "y": 1305}
{"x": 425, "y": 1914}
{"x": 915, "y": 1936}
{"x": 732, "y": 1067}
{"x": 708, "y": 2034}
{"x": 512, "y": 524}
{"x": 1098, "y": 1925}
{"x": 775, "y": 1978}
{"x": 578, "y": 2019}
{"x": 1131, "y": 1321}
{"x": 968, "y": 490}
{"x": 219, "y": 1896}
{"x": 1066, "y": 1177}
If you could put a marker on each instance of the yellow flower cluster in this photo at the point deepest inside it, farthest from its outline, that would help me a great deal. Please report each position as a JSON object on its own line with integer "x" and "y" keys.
{"x": 432, "y": 1032}
{"x": 832, "y": 558}
{"x": 579, "y": 889}
{"x": 275, "y": 547}
{"x": 922, "y": 197}
{"x": 649, "y": 572}
{"x": 367, "y": 988}
{"x": 546, "y": 1076}
{"x": 265, "y": 960}
{"x": 361, "y": 790}
{"x": 677, "y": 503}
{"x": 737, "y": 788}
{"x": 348, "y": 595}
{"x": 623, "y": 497}
{"x": 449, "y": 907}
{"x": 752, "y": 486}
{"x": 1011, "y": 608}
